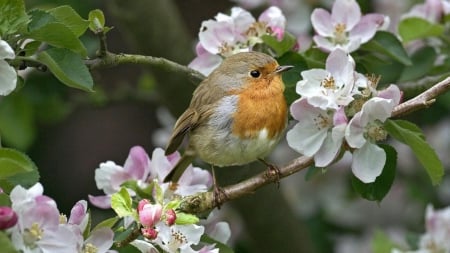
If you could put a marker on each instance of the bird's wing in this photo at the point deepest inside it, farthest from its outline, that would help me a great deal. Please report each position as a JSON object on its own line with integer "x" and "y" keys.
{"x": 185, "y": 122}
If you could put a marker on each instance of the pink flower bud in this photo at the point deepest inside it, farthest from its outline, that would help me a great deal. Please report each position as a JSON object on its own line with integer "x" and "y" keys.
{"x": 171, "y": 216}
{"x": 8, "y": 218}
{"x": 149, "y": 233}
{"x": 150, "y": 214}
{"x": 142, "y": 203}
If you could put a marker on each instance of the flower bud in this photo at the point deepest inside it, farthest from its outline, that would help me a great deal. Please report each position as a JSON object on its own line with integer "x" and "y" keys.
{"x": 171, "y": 216}
{"x": 149, "y": 233}
{"x": 8, "y": 218}
{"x": 142, "y": 203}
{"x": 150, "y": 214}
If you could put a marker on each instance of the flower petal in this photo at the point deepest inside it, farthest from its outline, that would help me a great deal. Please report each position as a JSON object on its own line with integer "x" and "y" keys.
{"x": 103, "y": 201}
{"x": 346, "y": 12}
{"x": 330, "y": 147}
{"x": 376, "y": 108}
{"x": 8, "y": 78}
{"x": 101, "y": 238}
{"x": 368, "y": 162}
{"x": 274, "y": 18}
{"x": 321, "y": 22}
{"x": 341, "y": 67}
{"x": 213, "y": 35}
{"x": 354, "y": 133}
{"x": 367, "y": 27}
{"x": 137, "y": 163}
{"x": 206, "y": 63}
{"x": 391, "y": 92}
{"x": 311, "y": 83}
{"x": 6, "y": 52}
{"x": 306, "y": 137}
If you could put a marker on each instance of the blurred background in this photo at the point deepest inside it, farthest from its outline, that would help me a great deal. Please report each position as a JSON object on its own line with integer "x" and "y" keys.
{"x": 68, "y": 133}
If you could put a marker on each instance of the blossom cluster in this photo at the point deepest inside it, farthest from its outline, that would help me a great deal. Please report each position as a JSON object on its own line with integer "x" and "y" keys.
{"x": 35, "y": 224}
{"x": 231, "y": 34}
{"x": 162, "y": 226}
{"x": 338, "y": 104}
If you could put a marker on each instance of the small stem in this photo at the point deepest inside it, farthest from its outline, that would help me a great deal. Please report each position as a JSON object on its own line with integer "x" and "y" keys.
{"x": 103, "y": 45}
{"x": 131, "y": 237}
{"x": 111, "y": 60}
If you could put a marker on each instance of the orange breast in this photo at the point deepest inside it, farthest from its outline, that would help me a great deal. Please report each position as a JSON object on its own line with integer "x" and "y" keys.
{"x": 261, "y": 105}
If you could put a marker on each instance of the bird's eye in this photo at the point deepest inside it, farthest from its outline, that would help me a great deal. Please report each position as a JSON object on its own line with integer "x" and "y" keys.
{"x": 255, "y": 73}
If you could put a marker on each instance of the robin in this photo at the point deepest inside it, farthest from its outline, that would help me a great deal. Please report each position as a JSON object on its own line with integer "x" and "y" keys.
{"x": 236, "y": 115}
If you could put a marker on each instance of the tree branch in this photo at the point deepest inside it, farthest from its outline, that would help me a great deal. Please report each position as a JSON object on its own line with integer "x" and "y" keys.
{"x": 423, "y": 100}
{"x": 112, "y": 60}
{"x": 205, "y": 201}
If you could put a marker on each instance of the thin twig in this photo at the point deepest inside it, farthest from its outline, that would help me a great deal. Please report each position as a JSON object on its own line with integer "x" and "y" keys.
{"x": 111, "y": 60}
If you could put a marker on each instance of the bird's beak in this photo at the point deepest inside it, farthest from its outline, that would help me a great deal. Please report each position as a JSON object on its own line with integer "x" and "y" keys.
{"x": 281, "y": 69}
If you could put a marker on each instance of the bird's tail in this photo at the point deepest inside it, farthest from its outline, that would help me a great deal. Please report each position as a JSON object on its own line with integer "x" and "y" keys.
{"x": 179, "y": 168}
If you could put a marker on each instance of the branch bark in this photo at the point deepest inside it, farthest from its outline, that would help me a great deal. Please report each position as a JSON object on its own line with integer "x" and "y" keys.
{"x": 111, "y": 60}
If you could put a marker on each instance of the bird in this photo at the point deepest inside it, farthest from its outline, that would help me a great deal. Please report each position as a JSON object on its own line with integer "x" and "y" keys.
{"x": 236, "y": 115}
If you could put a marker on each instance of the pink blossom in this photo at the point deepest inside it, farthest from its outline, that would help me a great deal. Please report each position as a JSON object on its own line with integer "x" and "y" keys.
{"x": 150, "y": 214}
{"x": 344, "y": 27}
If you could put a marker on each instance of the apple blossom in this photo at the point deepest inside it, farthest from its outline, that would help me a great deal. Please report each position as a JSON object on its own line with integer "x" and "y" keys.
{"x": 330, "y": 87}
{"x": 344, "y": 27}
{"x": 38, "y": 224}
{"x": 319, "y": 133}
{"x": 8, "y": 75}
{"x": 363, "y": 131}
{"x": 234, "y": 33}
{"x": 138, "y": 166}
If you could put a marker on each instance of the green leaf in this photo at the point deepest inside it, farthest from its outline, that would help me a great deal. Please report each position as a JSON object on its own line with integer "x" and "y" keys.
{"x": 121, "y": 203}
{"x": 423, "y": 61}
{"x": 6, "y": 243}
{"x": 31, "y": 47}
{"x": 13, "y": 162}
{"x": 4, "y": 199}
{"x": 417, "y": 28}
{"x": 13, "y": 18}
{"x": 17, "y": 121}
{"x": 70, "y": 18}
{"x": 280, "y": 47}
{"x": 186, "y": 218}
{"x": 291, "y": 77}
{"x": 108, "y": 223}
{"x": 68, "y": 67}
{"x": 378, "y": 189}
{"x": 389, "y": 71}
{"x": 315, "y": 58}
{"x": 381, "y": 243}
{"x": 16, "y": 168}
{"x": 59, "y": 35}
{"x": 386, "y": 43}
{"x": 39, "y": 18}
{"x": 411, "y": 135}
{"x": 223, "y": 248}
{"x": 96, "y": 20}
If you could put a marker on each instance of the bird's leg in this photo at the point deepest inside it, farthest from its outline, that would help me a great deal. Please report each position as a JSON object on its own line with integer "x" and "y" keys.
{"x": 273, "y": 171}
{"x": 219, "y": 194}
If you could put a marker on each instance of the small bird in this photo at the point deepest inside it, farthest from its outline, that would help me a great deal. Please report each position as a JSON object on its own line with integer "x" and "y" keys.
{"x": 236, "y": 116}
